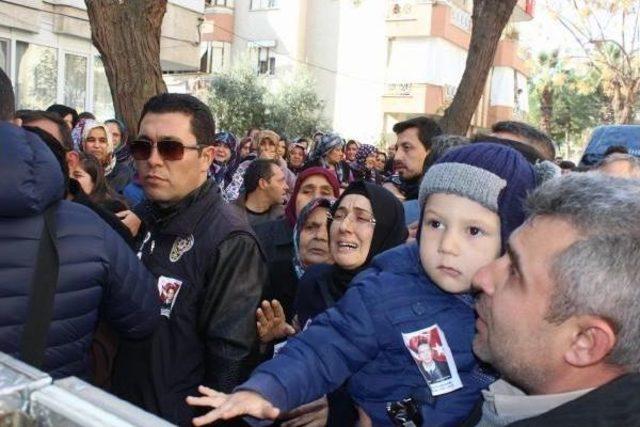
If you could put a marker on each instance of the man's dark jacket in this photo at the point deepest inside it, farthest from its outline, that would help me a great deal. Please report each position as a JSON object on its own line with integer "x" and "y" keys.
{"x": 210, "y": 336}
{"x": 614, "y": 404}
{"x": 276, "y": 238}
{"x": 99, "y": 276}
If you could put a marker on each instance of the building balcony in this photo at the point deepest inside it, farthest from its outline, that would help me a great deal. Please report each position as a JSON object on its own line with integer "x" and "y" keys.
{"x": 449, "y": 20}
{"x": 524, "y": 11}
{"x": 408, "y": 19}
{"x": 410, "y": 99}
{"x": 218, "y": 6}
{"x": 422, "y": 19}
{"x": 510, "y": 54}
{"x": 500, "y": 113}
{"x": 413, "y": 98}
{"x": 218, "y": 26}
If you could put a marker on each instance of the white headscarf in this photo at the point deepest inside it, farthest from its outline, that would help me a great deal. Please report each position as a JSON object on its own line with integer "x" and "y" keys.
{"x": 88, "y": 127}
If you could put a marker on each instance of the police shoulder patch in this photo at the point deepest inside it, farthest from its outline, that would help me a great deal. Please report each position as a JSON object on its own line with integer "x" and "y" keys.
{"x": 181, "y": 246}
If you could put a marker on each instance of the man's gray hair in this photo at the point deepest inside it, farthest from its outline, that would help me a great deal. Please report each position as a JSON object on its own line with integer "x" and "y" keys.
{"x": 599, "y": 274}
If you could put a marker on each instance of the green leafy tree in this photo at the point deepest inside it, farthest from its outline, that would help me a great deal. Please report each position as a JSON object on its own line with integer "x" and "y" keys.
{"x": 294, "y": 108}
{"x": 237, "y": 100}
{"x": 608, "y": 32}
{"x": 240, "y": 99}
{"x": 566, "y": 100}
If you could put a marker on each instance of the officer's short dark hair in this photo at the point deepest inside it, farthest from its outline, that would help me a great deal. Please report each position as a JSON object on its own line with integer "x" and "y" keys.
{"x": 258, "y": 169}
{"x": 63, "y": 111}
{"x": 28, "y": 117}
{"x": 202, "y": 124}
{"x": 616, "y": 149}
{"x": 427, "y": 129}
{"x": 7, "y": 98}
{"x": 535, "y": 137}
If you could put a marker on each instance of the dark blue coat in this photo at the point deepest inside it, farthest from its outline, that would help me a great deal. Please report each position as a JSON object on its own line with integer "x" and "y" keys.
{"x": 360, "y": 339}
{"x": 98, "y": 271}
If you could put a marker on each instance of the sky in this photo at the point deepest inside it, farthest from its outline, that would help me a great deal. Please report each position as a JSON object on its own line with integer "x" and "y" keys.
{"x": 544, "y": 33}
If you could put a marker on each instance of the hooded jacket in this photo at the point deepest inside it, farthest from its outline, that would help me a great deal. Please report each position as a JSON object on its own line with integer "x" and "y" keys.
{"x": 97, "y": 271}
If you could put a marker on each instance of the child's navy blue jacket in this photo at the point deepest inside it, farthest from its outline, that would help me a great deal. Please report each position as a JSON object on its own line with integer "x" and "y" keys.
{"x": 360, "y": 339}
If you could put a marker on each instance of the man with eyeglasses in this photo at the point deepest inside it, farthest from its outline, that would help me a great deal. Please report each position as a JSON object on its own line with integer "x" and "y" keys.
{"x": 204, "y": 252}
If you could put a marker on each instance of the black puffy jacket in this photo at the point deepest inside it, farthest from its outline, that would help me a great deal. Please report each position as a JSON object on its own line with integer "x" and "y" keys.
{"x": 99, "y": 275}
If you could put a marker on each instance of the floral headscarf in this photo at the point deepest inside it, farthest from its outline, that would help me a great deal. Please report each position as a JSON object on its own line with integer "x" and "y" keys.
{"x": 77, "y": 132}
{"x": 223, "y": 173}
{"x": 230, "y": 141}
{"x": 327, "y": 143}
{"x": 364, "y": 151}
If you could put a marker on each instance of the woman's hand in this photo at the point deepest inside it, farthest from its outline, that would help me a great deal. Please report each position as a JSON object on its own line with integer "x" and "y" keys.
{"x": 272, "y": 324}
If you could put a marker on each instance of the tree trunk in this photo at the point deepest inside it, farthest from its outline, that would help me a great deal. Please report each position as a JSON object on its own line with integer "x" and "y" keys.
{"x": 546, "y": 108}
{"x": 624, "y": 103}
{"x": 489, "y": 19}
{"x": 127, "y": 35}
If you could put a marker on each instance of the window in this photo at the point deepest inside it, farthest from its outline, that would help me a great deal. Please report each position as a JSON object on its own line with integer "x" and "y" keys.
{"x": 217, "y": 57}
{"x": 266, "y": 61}
{"x": 214, "y": 57}
{"x": 75, "y": 81}
{"x": 102, "y": 102}
{"x": 263, "y": 4}
{"x": 225, "y": 3}
{"x": 37, "y": 76}
{"x": 4, "y": 56}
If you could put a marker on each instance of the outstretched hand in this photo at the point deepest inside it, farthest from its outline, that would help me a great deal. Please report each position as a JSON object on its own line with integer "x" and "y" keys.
{"x": 233, "y": 405}
{"x": 272, "y": 324}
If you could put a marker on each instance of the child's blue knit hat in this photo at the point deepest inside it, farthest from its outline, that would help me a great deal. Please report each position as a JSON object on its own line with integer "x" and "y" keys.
{"x": 494, "y": 175}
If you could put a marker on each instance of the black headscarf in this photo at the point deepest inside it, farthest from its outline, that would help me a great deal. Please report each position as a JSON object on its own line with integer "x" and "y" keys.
{"x": 390, "y": 230}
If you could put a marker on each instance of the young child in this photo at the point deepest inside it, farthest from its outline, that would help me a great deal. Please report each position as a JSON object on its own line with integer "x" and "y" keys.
{"x": 404, "y": 329}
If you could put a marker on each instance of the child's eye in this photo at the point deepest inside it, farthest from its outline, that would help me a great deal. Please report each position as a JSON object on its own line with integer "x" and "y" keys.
{"x": 475, "y": 231}
{"x": 435, "y": 224}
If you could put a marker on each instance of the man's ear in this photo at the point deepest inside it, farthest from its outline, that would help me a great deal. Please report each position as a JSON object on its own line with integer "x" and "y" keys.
{"x": 73, "y": 160}
{"x": 592, "y": 340}
{"x": 263, "y": 183}
{"x": 206, "y": 158}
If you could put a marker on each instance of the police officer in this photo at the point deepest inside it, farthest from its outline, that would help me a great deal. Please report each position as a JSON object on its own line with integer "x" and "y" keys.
{"x": 209, "y": 266}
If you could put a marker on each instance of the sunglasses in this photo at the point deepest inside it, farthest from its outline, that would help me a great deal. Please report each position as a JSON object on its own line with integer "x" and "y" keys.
{"x": 141, "y": 149}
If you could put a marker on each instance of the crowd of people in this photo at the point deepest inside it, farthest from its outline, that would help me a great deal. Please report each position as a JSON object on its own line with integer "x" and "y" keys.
{"x": 207, "y": 277}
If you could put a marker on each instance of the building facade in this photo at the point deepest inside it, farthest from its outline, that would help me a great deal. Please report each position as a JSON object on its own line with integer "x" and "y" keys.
{"x": 46, "y": 49}
{"x": 375, "y": 62}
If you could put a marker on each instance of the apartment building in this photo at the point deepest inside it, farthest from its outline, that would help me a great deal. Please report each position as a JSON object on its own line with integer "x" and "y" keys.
{"x": 46, "y": 49}
{"x": 375, "y": 62}
{"x": 427, "y": 51}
